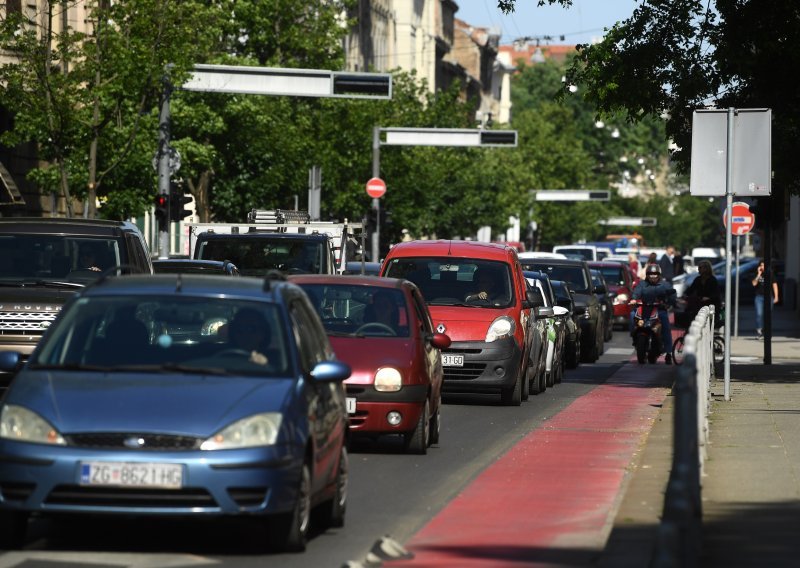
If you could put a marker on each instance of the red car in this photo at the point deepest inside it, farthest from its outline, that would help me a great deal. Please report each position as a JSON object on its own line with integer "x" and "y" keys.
{"x": 382, "y": 329}
{"x": 619, "y": 279}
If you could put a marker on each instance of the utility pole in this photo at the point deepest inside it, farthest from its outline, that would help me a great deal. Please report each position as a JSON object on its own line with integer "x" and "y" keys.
{"x": 162, "y": 157}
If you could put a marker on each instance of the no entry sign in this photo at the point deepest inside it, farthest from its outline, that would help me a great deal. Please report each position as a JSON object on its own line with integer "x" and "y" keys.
{"x": 376, "y": 187}
{"x": 742, "y": 220}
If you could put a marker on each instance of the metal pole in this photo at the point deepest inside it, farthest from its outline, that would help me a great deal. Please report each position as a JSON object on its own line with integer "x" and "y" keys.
{"x": 768, "y": 284}
{"x": 163, "y": 158}
{"x": 376, "y": 205}
{"x": 736, "y": 313}
{"x": 728, "y": 252}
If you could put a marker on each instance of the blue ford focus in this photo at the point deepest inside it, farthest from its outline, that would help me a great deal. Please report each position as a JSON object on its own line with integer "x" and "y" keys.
{"x": 178, "y": 395}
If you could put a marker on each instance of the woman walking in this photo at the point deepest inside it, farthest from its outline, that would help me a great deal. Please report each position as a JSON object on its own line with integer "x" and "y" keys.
{"x": 759, "y": 284}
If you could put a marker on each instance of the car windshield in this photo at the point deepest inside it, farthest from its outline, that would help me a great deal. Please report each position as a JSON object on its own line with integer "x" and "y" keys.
{"x": 360, "y": 310}
{"x": 28, "y": 259}
{"x": 578, "y": 253}
{"x": 574, "y": 274}
{"x": 163, "y": 333}
{"x": 254, "y": 256}
{"x": 449, "y": 281}
{"x": 613, "y": 275}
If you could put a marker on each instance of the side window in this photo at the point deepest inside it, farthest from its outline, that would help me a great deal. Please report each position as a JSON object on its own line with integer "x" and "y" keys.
{"x": 309, "y": 336}
{"x": 134, "y": 253}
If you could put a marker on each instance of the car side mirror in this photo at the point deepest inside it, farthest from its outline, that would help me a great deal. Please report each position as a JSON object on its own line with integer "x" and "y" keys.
{"x": 10, "y": 361}
{"x": 331, "y": 371}
{"x": 533, "y": 299}
{"x": 440, "y": 340}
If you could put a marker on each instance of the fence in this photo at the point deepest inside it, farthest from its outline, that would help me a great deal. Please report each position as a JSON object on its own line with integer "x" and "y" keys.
{"x": 679, "y": 534}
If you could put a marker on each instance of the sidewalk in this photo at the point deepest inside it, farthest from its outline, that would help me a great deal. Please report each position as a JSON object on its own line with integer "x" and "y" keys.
{"x": 751, "y": 486}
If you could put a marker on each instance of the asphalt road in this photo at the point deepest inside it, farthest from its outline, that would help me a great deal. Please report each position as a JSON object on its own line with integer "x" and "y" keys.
{"x": 390, "y": 493}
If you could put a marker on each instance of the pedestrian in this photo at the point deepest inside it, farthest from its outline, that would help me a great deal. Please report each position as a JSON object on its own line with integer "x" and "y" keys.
{"x": 667, "y": 264}
{"x": 651, "y": 259}
{"x": 677, "y": 264}
{"x": 633, "y": 261}
{"x": 759, "y": 283}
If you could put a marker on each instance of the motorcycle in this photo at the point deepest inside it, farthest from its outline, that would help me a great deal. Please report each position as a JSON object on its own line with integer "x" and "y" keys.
{"x": 646, "y": 332}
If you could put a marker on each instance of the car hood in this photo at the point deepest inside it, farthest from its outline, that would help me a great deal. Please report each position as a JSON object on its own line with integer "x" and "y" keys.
{"x": 365, "y": 355}
{"x": 35, "y": 298}
{"x": 467, "y": 324}
{"x": 180, "y": 404}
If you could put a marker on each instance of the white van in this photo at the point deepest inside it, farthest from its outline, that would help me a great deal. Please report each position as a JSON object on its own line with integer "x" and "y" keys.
{"x": 580, "y": 252}
{"x": 713, "y": 255}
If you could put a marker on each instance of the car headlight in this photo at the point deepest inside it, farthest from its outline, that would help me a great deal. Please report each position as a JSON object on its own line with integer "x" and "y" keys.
{"x": 388, "y": 379}
{"x": 587, "y": 314}
{"x": 621, "y": 299}
{"x": 501, "y": 328}
{"x": 21, "y": 424}
{"x": 256, "y": 430}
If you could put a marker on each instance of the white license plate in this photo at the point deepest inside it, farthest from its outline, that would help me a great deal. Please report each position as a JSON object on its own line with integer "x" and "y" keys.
{"x": 351, "y": 405}
{"x": 126, "y": 474}
{"x": 453, "y": 360}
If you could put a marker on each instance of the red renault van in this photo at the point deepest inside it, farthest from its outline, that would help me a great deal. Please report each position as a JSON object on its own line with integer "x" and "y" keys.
{"x": 477, "y": 295}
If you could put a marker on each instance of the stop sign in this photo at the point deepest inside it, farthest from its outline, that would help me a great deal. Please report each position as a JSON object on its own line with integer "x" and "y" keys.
{"x": 376, "y": 187}
{"x": 742, "y": 220}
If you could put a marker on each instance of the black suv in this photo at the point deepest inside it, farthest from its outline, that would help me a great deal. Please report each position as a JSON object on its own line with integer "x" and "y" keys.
{"x": 576, "y": 273}
{"x": 46, "y": 260}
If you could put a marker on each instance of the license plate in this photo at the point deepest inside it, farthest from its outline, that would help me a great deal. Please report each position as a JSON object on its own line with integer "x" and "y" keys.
{"x": 453, "y": 360}
{"x": 125, "y": 474}
{"x": 351, "y": 405}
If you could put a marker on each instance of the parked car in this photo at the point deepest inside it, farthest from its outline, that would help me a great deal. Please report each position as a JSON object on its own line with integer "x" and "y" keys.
{"x": 47, "y": 260}
{"x": 381, "y": 327}
{"x": 477, "y": 295}
{"x": 191, "y": 266}
{"x": 581, "y": 252}
{"x": 556, "y": 328}
{"x": 536, "y": 380}
{"x": 540, "y": 254}
{"x": 606, "y": 299}
{"x": 576, "y": 272}
{"x": 572, "y": 327}
{"x": 620, "y": 282}
{"x": 198, "y": 396}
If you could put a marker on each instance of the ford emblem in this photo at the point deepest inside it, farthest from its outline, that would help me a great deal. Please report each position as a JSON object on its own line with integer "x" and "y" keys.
{"x": 441, "y": 328}
{"x": 134, "y": 442}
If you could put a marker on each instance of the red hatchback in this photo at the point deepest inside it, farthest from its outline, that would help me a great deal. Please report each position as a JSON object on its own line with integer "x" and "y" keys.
{"x": 382, "y": 329}
{"x": 620, "y": 283}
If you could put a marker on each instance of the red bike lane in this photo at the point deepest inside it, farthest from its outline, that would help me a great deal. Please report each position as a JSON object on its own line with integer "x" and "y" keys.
{"x": 552, "y": 498}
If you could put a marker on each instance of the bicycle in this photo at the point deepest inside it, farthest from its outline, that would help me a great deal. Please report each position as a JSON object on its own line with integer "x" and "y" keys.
{"x": 718, "y": 342}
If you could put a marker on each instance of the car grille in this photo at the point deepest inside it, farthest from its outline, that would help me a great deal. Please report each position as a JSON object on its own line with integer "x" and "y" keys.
{"x": 126, "y": 497}
{"x": 467, "y": 372}
{"x": 25, "y": 323}
{"x": 116, "y": 440}
{"x": 463, "y": 351}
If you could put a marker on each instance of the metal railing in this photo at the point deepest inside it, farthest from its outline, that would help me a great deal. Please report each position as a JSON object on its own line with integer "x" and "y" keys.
{"x": 679, "y": 534}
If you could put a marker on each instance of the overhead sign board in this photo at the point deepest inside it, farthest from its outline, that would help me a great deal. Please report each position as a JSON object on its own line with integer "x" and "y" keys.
{"x": 630, "y": 221}
{"x": 449, "y": 137}
{"x": 572, "y": 194}
{"x": 751, "y": 169}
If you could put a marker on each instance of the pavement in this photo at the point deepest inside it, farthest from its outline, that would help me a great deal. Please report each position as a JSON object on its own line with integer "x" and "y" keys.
{"x": 751, "y": 481}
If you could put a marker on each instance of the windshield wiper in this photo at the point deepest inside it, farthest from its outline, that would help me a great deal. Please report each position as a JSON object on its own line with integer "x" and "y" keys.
{"x": 171, "y": 368}
{"x": 69, "y": 367}
{"x": 53, "y": 284}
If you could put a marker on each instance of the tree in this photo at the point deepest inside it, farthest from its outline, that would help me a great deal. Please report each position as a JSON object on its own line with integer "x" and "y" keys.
{"x": 84, "y": 97}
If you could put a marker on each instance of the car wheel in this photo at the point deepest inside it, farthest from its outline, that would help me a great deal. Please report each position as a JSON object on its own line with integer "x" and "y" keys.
{"x": 436, "y": 422}
{"x": 609, "y": 331}
{"x": 416, "y": 441}
{"x": 560, "y": 370}
{"x": 512, "y": 396}
{"x": 331, "y": 513}
{"x": 14, "y": 529}
{"x": 289, "y": 533}
{"x": 572, "y": 355}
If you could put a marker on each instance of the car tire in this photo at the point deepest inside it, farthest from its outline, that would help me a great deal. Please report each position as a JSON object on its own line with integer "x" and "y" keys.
{"x": 289, "y": 532}
{"x": 416, "y": 441}
{"x": 14, "y": 529}
{"x": 332, "y": 513}
{"x": 526, "y": 391}
{"x": 572, "y": 355}
{"x": 559, "y": 371}
{"x": 436, "y": 423}
{"x": 609, "y": 331}
{"x": 512, "y": 396}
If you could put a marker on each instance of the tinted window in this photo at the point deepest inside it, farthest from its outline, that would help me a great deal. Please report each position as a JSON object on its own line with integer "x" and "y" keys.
{"x": 151, "y": 332}
{"x": 613, "y": 275}
{"x": 254, "y": 256}
{"x": 575, "y": 275}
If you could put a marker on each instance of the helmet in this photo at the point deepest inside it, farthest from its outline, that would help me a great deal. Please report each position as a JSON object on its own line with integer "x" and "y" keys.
{"x": 652, "y": 269}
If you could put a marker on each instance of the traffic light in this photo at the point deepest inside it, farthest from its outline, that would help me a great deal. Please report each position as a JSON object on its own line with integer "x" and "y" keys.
{"x": 371, "y": 220}
{"x": 161, "y": 203}
{"x": 177, "y": 199}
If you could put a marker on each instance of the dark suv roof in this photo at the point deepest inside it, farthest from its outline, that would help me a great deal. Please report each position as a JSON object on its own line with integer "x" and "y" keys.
{"x": 210, "y": 235}
{"x": 71, "y": 226}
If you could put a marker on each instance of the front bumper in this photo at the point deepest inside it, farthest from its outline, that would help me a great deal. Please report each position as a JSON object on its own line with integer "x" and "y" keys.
{"x": 253, "y": 481}
{"x": 372, "y": 408}
{"x": 488, "y": 367}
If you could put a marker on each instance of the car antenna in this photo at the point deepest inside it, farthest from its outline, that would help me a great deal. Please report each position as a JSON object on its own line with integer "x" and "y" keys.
{"x": 449, "y": 246}
{"x": 178, "y": 283}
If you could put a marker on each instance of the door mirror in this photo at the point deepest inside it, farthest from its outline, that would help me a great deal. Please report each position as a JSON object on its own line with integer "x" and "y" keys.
{"x": 330, "y": 371}
{"x": 599, "y": 289}
{"x": 533, "y": 298}
{"x": 440, "y": 340}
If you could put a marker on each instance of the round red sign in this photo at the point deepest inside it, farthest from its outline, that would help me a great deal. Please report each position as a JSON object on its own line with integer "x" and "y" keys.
{"x": 376, "y": 187}
{"x": 742, "y": 220}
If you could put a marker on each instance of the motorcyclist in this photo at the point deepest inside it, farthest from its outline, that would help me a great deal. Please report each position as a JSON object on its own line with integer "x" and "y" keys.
{"x": 651, "y": 290}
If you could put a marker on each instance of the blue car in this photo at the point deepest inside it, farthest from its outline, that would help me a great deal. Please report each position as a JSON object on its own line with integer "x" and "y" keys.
{"x": 178, "y": 395}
